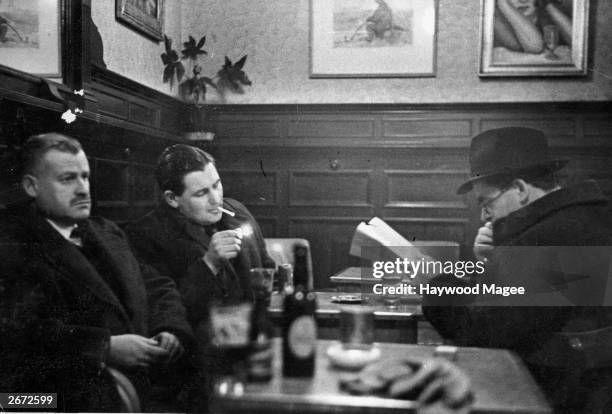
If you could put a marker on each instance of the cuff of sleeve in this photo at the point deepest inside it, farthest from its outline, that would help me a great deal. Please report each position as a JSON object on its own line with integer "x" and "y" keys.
{"x": 104, "y": 351}
{"x": 212, "y": 266}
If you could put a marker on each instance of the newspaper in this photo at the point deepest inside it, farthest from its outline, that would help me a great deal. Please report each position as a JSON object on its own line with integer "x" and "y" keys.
{"x": 376, "y": 233}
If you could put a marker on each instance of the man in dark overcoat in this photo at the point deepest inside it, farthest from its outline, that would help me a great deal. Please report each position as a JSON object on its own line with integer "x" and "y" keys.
{"x": 75, "y": 301}
{"x": 205, "y": 242}
{"x": 206, "y": 250}
{"x": 555, "y": 243}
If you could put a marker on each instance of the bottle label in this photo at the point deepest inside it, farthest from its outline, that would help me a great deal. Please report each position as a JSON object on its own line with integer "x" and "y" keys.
{"x": 303, "y": 336}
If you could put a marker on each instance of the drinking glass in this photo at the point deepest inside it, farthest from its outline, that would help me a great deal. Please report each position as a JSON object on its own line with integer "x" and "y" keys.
{"x": 262, "y": 282}
{"x": 231, "y": 327}
{"x": 550, "y": 33}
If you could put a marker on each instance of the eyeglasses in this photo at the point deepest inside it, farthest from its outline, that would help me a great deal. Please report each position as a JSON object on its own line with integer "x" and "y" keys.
{"x": 486, "y": 203}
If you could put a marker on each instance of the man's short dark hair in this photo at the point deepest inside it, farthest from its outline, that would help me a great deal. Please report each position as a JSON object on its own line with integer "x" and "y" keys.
{"x": 542, "y": 178}
{"x": 35, "y": 148}
{"x": 176, "y": 162}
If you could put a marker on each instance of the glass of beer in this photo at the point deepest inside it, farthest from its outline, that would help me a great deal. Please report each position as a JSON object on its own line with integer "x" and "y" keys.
{"x": 231, "y": 326}
{"x": 550, "y": 33}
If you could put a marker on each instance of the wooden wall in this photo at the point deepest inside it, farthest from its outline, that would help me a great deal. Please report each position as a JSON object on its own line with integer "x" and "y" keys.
{"x": 123, "y": 129}
{"x": 316, "y": 171}
{"x": 312, "y": 171}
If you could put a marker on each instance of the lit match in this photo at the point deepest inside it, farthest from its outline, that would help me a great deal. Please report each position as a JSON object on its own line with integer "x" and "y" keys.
{"x": 245, "y": 230}
{"x": 226, "y": 211}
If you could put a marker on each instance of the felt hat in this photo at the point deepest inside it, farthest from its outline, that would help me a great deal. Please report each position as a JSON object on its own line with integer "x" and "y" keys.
{"x": 508, "y": 150}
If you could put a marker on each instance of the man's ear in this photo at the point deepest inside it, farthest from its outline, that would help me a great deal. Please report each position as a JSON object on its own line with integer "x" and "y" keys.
{"x": 29, "y": 183}
{"x": 170, "y": 198}
{"x": 523, "y": 190}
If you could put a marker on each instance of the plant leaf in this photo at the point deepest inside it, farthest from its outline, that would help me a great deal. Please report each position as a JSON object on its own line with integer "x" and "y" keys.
{"x": 172, "y": 64}
{"x": 180, "y": 71}
{"x": 201, "y": 42}
{"x": 232, "y": 76}
{"x": 191, "y": 50}
{"x": 168, "y": 74}
{"x": 241, "y": 62}
{"x": 167, "y": 43}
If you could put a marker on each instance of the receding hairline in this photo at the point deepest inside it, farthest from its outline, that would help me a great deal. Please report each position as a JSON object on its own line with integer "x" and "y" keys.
{"x": 37, "y": 147}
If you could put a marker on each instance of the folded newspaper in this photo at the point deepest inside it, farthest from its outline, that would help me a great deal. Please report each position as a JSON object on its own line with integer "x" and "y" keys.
{"x": 376, "y": 240}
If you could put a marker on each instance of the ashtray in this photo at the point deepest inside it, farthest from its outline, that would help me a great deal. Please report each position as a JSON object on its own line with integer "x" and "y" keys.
{"x": 347, "y": 299}
{"x": 351, "y": 358}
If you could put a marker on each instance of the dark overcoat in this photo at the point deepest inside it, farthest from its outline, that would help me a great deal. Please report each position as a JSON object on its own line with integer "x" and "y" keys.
{"x": 175, "y": 246}
{"x": 58, "y": 311}
{"x": 558, "y": 248}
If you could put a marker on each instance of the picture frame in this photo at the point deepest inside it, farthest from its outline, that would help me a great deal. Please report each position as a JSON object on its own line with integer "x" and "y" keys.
{"x": 373, "y": 38}
{"x": 145, "y": 16}
{"x": 536, "y": 38}
{"x": 31, "y": 37}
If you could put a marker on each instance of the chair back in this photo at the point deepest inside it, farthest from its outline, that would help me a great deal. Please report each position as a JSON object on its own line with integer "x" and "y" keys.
{"x": 281, "y": 251}
{"x": 127, "y": 392}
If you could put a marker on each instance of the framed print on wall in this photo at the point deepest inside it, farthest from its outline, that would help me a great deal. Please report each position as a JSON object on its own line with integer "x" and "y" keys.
{"x": 30, "y": 36}
{"x": 146, "y": 16}
{"x": 533, "y": 37}
{"x": 372, "y": 38}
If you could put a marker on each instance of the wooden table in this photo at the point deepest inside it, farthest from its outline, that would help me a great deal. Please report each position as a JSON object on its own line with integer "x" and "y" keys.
{"x": 392, "y": 323}
{"x": 355, "y": 279}
{"x": 500, "y": 382}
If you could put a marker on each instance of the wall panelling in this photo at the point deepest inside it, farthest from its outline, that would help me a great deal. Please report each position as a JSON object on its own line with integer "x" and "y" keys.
{"x": 328, "y": 167}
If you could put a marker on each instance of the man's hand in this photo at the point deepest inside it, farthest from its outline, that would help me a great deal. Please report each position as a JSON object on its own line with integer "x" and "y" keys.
{"x": 438, "y": 380}
{"x": 170, "y": 343}
{"x": 223, "y": 245}
{"x": 437, "y": 384}
{"x": 134, "y": 351}
{"x": 483, "y": 244}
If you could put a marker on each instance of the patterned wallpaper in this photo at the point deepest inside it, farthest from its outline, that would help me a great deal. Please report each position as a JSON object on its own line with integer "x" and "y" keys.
{"x": 275, "y": 35}
{"x": 128, "y": 52}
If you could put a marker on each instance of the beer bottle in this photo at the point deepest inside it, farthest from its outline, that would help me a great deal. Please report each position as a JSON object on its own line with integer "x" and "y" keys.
{"x": 299, "y": 333}
{"x": 300, "y": 270}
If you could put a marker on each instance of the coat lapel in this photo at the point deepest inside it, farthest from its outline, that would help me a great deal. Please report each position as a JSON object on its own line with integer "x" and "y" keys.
{"x": 68, "y": 260}
{"x": 71, "y": 263}
{"x": 113, "y": 253}
{"x": 197, "y": 233}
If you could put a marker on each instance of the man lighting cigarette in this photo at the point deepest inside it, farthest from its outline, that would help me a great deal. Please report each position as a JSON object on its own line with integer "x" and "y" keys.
{"x": 205, "y": 242}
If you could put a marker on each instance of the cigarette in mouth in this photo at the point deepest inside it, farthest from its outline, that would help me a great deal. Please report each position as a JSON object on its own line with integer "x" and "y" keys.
{"x": 226, "y": 211}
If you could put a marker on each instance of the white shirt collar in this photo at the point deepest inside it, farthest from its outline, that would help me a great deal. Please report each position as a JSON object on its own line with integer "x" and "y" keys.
{"x": 65, "y": 231}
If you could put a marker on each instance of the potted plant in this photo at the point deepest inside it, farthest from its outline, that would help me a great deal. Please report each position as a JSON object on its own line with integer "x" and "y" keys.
{"x": 192, "y": 83}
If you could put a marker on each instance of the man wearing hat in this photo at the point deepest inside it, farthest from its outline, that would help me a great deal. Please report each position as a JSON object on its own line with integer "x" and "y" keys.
{"x": 555, "y": 243}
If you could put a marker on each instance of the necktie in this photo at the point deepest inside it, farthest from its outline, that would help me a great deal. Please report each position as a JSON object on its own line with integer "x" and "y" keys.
{"x": 76, "y": 236}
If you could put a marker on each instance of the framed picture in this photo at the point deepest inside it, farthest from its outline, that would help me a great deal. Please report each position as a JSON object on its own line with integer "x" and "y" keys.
{"x": 30, "y": 36}
{"x": 146, "y": 16}
{"x": 533, "y": 37}
{"x": 372, "y": 38}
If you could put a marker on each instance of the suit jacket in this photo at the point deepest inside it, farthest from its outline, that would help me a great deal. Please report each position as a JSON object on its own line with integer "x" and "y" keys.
{"x": 58, "y": 311}
{"x": 175, "y": 246}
